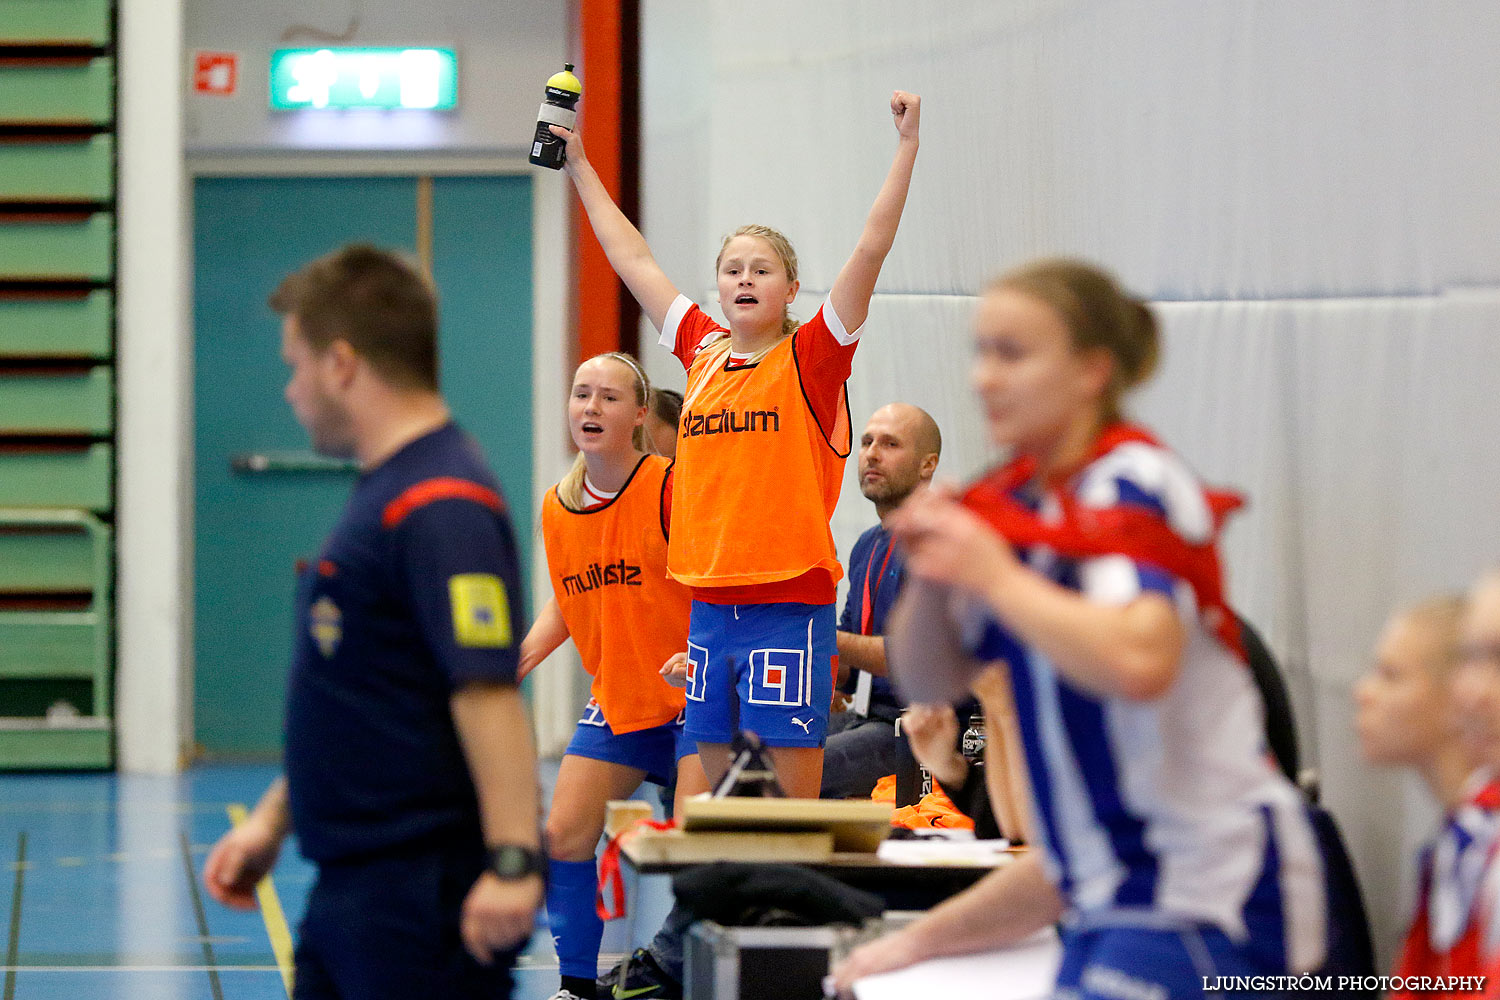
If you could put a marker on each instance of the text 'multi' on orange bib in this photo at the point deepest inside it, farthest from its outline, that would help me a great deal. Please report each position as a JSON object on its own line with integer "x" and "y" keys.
{"x": 757, "y": 478}
{"x": 627, "y": 617}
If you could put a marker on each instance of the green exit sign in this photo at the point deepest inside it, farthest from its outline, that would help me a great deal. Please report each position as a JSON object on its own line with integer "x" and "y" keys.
{"x": 364, "y": 78}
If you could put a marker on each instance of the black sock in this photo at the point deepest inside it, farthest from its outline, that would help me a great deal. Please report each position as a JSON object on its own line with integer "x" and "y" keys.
{"x": 579, "y": 987}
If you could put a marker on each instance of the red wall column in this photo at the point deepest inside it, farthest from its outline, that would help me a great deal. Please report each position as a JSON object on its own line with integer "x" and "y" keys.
{"x": 608, "y": 40}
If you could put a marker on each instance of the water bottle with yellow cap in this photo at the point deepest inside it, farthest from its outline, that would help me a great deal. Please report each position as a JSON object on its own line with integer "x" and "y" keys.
{"x": 562, "y": 94}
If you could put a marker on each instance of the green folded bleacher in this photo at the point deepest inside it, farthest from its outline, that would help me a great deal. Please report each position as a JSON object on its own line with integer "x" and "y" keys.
{"x": 55, "y": 22}
{"x": 77, "y": 167}
{"x": 57, "y": 383}
{"x": 57, "y": 91}
{"x": 49, "y": 325}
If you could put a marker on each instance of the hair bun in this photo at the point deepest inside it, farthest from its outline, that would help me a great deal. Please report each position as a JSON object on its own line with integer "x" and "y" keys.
{"x": 1143, "y": 343}
{"x": 1098, "y": 313}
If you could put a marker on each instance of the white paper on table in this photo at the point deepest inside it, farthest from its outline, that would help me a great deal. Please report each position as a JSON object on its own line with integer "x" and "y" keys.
{"x": 961, "y": 852}
{"x": 1026, "y": 970}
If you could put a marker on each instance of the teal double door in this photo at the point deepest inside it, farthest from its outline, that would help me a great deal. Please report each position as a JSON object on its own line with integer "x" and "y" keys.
{"x": 255, "y": 520}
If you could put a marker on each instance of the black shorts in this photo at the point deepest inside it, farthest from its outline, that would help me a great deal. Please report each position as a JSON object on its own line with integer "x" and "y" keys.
{"x": 386, "y": 928}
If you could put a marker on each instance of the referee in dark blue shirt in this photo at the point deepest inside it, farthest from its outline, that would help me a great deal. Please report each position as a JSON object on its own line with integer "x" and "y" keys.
{"x": 898, "y": 453}
{"x": 410, "y": 771}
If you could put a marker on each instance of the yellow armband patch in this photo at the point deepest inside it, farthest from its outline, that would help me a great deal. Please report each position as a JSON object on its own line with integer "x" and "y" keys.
{"x": 481, "y": 613}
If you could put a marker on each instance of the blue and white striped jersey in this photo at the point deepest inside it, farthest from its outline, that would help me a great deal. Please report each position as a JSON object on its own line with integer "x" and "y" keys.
{"x": 1171, "y": 810}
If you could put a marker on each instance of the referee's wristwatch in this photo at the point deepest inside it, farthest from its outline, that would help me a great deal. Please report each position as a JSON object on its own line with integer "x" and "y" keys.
{"x": 512, "y": 862}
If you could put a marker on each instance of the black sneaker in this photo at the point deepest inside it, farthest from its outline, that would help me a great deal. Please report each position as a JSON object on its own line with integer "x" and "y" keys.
{"x": 646, "y": 980}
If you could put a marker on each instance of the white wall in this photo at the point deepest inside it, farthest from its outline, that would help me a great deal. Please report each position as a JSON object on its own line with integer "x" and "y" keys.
{"x": 506, "y": 51}
{"x": 1306, "y": 188}
{"x": 153, "y": 693}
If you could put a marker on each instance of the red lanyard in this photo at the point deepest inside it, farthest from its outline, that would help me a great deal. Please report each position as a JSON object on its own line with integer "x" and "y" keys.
{"x": 868, "y": 611}
{"x": 611, "y": 889}
{"x": 1132, "y": 532}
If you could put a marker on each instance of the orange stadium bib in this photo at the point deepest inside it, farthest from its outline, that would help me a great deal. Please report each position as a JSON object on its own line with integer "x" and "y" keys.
{"x": 757, "y": 478}
{"x": 627, "y": 617}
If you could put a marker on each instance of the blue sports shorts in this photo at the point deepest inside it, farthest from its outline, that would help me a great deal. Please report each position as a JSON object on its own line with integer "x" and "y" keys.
{"x": 767, "y": 668}
{"x": 655, "y": 751}
{"x": 1183, "y": 963}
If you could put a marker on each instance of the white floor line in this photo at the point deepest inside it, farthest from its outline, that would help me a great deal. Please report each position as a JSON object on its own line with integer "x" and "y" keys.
{"x": 139, "y": 968}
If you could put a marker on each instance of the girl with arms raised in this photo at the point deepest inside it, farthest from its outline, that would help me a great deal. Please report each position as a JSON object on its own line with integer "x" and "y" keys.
{"x": 761, "y": 450}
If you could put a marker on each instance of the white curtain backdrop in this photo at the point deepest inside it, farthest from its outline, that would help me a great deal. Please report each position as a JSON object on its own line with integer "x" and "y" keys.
{"x": 1308, "y": 191}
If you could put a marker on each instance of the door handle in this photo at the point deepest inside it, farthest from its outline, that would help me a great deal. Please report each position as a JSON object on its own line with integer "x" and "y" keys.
{"x": 296, "y": 462}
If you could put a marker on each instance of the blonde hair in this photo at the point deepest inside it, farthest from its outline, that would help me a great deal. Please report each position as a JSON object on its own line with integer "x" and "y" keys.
{"x": 1098, "y": 313}
{"x": 570, "y": 487}
{"x": 782, "y": 247}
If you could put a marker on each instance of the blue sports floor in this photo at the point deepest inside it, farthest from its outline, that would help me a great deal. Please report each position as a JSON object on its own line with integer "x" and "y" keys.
{"x": 102, "y": 895}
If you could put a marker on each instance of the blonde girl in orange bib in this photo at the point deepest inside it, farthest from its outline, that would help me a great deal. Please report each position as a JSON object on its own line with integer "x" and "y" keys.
{"x": 764, "y": 435}
{"x": 605, "y": 530}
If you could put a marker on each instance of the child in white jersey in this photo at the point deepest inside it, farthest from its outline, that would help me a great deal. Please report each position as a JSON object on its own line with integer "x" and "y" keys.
{"x": 1171, "y": 847}
{"x": 1406, "y": 718}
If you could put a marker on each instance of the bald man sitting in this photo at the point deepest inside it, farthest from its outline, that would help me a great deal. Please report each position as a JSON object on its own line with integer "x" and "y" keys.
{"x": 898, "y": 454}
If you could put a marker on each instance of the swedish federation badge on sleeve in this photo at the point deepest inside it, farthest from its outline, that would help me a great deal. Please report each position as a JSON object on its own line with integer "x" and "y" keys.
{"x": 481, "y": 613}
{"x": 326, "y": 626}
